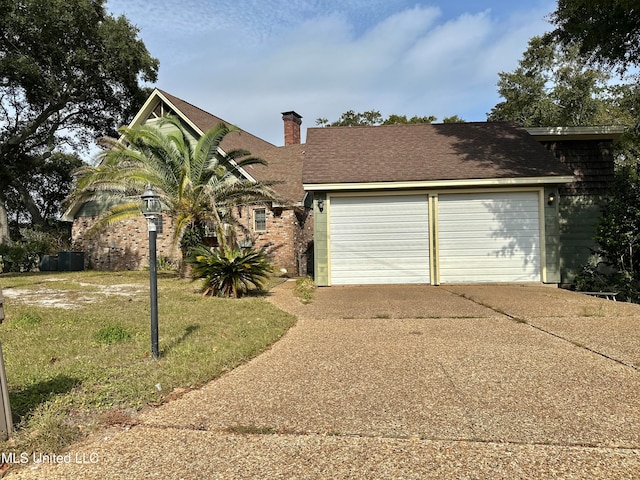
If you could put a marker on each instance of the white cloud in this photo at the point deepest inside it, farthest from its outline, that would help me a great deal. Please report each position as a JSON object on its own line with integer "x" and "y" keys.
{"x": 248, "y": 61}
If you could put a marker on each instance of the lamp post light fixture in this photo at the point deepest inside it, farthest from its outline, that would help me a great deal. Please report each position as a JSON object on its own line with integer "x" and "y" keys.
{"x": 151, "y": 209}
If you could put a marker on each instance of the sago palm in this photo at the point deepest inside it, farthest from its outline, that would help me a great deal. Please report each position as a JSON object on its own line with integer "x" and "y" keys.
{"x": 229, "y": 271}
{"x": 196, "y": 181}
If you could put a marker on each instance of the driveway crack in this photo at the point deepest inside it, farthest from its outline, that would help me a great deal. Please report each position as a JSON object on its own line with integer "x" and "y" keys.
{"x": 462, "y": 397}
{"x": 409, "y": 437}
{"x": 548, "y": 332}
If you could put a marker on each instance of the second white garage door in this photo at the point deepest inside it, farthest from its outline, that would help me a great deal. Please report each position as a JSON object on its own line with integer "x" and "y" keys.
{"x": 489, "y": 237}
{"x": 379, "y": 239}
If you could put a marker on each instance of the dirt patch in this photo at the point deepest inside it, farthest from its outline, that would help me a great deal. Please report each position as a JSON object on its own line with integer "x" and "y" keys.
{"x": 69, "y": 298}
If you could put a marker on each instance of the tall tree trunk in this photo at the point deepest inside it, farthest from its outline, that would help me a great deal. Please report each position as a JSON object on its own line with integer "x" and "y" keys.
{"x": 30, "y": 206}
{"x": 4, "y": 224}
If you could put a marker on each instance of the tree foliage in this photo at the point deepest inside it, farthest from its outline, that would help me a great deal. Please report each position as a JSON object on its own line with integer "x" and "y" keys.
{"x": 453, "y": 119}
{"x": 24, "y": 254}
{"x": 373, "y": 117}
{"x": 37, "y": 194}
{"x": 607, "y": 32}
{"x": 618, "y": 239}
{"x": 69, "y": 72}
{"x": 197, "y": 183}
{"x": 553, "y": 87}
{"x": 618, "y": 232}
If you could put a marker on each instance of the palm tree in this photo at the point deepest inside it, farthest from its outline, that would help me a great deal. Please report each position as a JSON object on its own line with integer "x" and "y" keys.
{"x": 197, "y": 182}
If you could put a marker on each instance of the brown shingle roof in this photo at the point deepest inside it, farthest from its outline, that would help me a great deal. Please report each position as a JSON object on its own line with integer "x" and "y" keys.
{"x": 204, "y": 121}
{"x": 284, "y": 163}
{"x": 284, "y": 168}
{"x": 423, "y": 152}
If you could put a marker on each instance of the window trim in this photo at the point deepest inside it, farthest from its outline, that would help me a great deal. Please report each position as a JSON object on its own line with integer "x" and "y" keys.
{"x": 263, "y": 211}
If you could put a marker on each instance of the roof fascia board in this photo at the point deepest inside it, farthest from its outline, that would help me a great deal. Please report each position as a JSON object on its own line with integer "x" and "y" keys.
{"x": 183, "y": 117}
{"x": 472, "y": 182}
{"x": 576, "y": 133}
{"x": 145, "y": 110}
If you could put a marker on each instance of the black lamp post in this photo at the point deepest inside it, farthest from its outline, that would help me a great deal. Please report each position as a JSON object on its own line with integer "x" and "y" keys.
{"x": 151, "y": 208}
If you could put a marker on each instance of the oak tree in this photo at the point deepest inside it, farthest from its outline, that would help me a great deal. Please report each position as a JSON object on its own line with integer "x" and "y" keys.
{"x": 607, "y": 32}
{"x": 69, "y": 72}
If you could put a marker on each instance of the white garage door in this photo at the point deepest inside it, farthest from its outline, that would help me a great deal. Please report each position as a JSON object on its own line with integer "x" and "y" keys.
{"x": 489, "y": 237}
{"x": 378, "y": 240}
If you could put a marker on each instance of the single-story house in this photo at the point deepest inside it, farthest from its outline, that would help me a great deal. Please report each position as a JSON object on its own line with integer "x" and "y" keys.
{"x": 284, "y": 230}
{"x": 460, "y": 202}
{"x": 425, "y": 203}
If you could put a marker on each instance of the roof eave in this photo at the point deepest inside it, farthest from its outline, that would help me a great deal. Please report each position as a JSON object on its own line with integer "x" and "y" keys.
{"x": 603, "y": 132}
{"x": 464, "y": 183}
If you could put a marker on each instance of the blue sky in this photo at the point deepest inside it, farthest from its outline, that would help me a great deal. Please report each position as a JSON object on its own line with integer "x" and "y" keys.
{"x": 248, "y": 60}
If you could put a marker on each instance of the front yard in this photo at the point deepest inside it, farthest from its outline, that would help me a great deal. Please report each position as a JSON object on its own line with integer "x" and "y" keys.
{"x": 77, "y": 348}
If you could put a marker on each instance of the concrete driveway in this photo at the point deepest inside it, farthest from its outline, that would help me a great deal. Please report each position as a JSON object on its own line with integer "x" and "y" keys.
{"x": 464, "y": 381}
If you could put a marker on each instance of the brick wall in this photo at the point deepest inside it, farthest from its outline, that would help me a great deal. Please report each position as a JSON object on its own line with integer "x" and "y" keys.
{"x": 287, "y": 235}
{"x": 125, "y": 245}
{"x": 122, "y": 246}
{"x": 292, "y": 123}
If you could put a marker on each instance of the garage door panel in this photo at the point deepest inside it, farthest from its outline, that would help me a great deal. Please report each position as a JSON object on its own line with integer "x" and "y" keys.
{"x": 386, "y": 242}
{"x": 481, "y": 238}
{"x": 489, "y": 237}
{"x": 492, "y": 275}
{"x": 346, "y": 232}
{"x": 390, "y": 278}
{"x": 348, "y": 253}
{"x": 484, "y": 254}
{"x": 364, "y": 266}
{"x": 522, "y": 217}
{"x": 376, "y": 240}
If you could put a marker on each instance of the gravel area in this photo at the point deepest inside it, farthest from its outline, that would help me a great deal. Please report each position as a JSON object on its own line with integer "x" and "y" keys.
{"x": 407, "y": 382}
{"x": 604, "y": 326}
{"x": 373, "y": 301}
{"x": 183, "y": 454}
{"x": 529, "y": 301}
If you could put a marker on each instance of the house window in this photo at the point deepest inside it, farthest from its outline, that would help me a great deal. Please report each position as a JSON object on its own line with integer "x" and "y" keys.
{"x": 260, "y": 220}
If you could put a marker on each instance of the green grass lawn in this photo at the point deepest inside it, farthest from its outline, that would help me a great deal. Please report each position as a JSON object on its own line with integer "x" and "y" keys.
{"x": 84, "y": 360}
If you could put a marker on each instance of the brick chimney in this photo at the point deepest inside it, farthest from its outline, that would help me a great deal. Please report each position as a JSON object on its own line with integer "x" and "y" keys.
{"x": 292, "y": 123}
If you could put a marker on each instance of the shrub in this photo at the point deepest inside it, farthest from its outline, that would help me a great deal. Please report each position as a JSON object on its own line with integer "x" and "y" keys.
{"x": 16, "y": 257}
{"x": 230, "y": 271}
{"x": 598, "y": 277}
{"x": 618, "y": 239}
{"x": 304, "y": 289}
{"x": 24, "y": 255}
{"x": 165, "y": 264}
